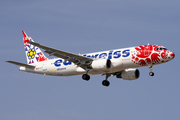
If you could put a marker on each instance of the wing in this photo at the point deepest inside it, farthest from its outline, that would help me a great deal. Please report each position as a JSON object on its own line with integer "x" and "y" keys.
{"x": 21, "y": 64}
{"x": 76, "y": 59}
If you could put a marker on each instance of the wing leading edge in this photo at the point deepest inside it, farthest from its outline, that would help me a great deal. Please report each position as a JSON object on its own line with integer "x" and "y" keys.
{"x": 79, "y": 60}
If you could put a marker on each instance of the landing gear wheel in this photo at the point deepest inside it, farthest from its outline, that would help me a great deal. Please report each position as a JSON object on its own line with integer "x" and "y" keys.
{"x": 151, "y": 73}
{"x": 105, "y": 83}
{"x": 85, "y": 77}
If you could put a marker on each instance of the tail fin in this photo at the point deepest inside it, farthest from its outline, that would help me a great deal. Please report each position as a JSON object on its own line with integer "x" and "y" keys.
{"x": 33, "y": 53}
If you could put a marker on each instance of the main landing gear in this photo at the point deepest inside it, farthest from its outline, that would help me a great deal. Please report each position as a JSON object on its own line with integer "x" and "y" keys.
{"x": 106, "y": 82}
{"x": 151, "y": 73}
{"x": 85, "y": 77}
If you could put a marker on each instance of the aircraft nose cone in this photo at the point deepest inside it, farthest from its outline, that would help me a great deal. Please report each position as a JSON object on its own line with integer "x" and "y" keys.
{"x": 172, "y": 55}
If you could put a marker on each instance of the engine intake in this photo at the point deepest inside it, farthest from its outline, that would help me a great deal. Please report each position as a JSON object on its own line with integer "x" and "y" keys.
{"x": 129, "y": 74}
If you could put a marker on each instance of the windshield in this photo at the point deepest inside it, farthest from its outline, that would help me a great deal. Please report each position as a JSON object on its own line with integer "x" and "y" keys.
{"x": 161, "y": 49}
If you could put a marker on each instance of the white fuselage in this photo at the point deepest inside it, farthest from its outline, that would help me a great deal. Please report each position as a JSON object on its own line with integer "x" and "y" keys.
{"x": 120, "y": 60}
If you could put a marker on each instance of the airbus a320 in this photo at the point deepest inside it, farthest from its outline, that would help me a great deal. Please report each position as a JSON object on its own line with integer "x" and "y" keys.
{"x": 121, "y": 63}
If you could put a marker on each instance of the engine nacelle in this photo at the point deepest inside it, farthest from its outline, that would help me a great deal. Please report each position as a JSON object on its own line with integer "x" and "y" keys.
{"x": 129, "y": 74}
{"x": 101, "y": 64}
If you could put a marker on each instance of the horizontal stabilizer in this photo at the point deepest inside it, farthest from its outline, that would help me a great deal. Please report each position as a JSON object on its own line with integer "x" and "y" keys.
{"x": 21, "y": 64}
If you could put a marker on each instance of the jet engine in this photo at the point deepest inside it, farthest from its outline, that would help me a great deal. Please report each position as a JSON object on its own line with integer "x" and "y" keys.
{"x": 101, "y": 64}
{"x": 129, "y": 74}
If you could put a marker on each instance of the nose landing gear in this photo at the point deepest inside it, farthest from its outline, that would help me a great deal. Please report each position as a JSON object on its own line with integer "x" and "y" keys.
{"x": 151, "y": 73}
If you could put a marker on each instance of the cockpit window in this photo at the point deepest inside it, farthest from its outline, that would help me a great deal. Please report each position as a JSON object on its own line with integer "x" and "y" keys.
{"x": 161, "y": 49}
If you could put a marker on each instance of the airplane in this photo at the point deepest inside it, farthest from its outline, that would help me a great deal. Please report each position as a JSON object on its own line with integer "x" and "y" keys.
{"x": 121, "y": 63}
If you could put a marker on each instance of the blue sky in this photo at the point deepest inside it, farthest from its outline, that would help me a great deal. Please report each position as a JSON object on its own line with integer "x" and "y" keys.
{"x": 81, "y": 27}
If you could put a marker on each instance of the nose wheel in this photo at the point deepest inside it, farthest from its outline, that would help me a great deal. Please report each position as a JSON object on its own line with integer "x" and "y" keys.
{"x": 151, "y": 73}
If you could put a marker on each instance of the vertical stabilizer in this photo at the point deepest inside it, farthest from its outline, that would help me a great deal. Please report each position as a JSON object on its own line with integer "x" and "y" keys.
{"x": 33, "y": 53}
